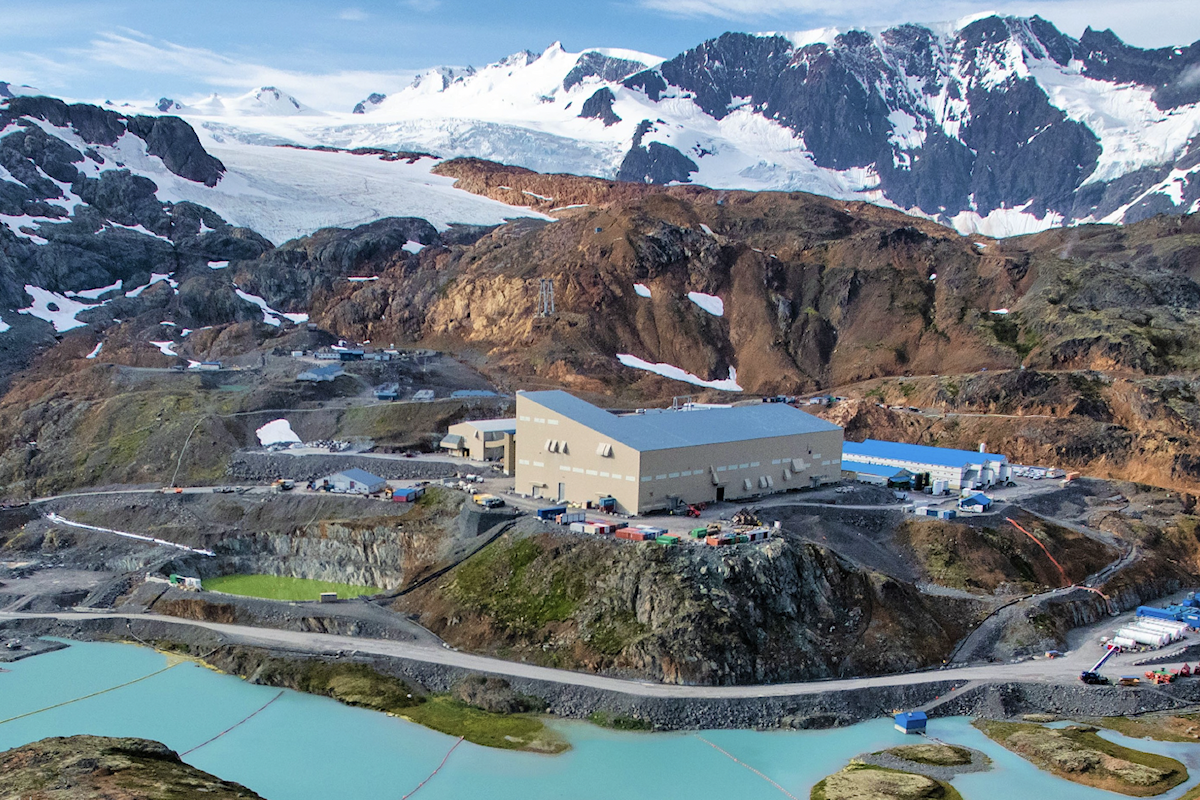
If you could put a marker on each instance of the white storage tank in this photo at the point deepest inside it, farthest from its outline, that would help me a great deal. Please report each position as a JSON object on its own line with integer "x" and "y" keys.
{"x": 1142, "y": 636}
{"x": 1163, "y": 624}
{"x": 1122, "y": 642}
{"x": 1154, "y": 627}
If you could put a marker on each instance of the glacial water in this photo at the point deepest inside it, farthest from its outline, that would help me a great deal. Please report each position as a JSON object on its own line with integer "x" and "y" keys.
{"x": 310, "y": 748}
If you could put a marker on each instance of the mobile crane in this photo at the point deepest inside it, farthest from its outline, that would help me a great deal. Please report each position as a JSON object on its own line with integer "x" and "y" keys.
{"x": 1092, "y": 676}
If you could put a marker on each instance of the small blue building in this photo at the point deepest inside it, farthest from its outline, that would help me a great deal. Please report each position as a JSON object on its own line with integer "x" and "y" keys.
{"x": 911, "y": 721}
{"x": 978, "y": 503}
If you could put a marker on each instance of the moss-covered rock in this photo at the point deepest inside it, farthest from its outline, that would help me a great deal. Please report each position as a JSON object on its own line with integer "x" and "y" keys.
{"x": 107, "y": 768}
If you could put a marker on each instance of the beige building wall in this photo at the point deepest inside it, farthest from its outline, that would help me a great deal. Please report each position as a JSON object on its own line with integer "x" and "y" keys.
{"x": 479, "y": 446}
{"x": 558, "y": 458}
{"x": 574, "y": 471}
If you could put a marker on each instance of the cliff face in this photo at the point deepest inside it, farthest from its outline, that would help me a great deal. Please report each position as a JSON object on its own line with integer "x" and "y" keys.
{"x": 781, "y": 611}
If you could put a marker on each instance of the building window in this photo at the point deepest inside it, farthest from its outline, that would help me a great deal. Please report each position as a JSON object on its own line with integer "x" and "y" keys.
{"x": 551, "y": 422}
{"x": 537, "y": 463}
{"x": 646, "y": 479}
{"x": 686, "y": 473}
{"x": 577, "y": 469}
{"x": 616, "y": 476}
{"x": 604, "y": 449}
{"x": 660, "y": 477}
{"x": 564, "y": 467}
{"x": 776, "y": 461}
{"x": 754, "y": 463}
{"x": 523, "y": 419}
{"x": 539, "y": 419}
{"x": 604, "y": 475}
{"x": 721, "y": 469}
{"x": 524, "y": 461}
{"x": 744, "y": 466}
{"x": 632, "y": 478}
{"x": 673, "y": 475}
{"x": 592, "y": 472}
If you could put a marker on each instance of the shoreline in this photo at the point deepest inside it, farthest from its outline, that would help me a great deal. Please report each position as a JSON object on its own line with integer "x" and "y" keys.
{"x": 811, "y": 709}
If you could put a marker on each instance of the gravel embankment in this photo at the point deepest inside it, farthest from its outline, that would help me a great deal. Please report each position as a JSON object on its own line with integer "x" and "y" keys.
{"x": 816, "y": 710}
{"x": 263, "y": 467}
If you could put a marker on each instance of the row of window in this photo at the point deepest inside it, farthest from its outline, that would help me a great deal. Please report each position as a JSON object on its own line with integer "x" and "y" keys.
{"x": 541, "y": 420}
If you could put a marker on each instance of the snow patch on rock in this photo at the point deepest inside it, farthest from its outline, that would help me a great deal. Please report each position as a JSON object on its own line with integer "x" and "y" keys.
{"x": 277, "y": 431}
{"x": 62, "y": 315}
{"x": 166, "y": 348}
{"x": 641, "y": 290}
{"x": 95, "y": 350}
{"x": 413, "y": 247}
{"x": 730, "y": 384}
{"x": 709, "y": 302}
{"x": 270, "y": 315}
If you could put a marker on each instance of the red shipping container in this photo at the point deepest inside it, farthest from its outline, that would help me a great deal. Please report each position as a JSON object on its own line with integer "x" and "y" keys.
{"x": 626, "y": 533}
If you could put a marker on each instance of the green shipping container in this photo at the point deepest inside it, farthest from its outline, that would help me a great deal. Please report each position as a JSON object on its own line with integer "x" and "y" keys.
{"x": 669, "y": 541}
{"x": 742, "y": 538}
{"x": 698, "y": 533}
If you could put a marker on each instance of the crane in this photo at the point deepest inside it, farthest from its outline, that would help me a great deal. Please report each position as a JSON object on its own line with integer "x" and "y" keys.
{"x": 1092, "y": 676}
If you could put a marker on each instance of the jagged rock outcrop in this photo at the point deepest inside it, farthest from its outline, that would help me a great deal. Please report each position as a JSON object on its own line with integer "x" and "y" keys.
{"x": 781, "y": 611}
{"x": 600, "y": 106}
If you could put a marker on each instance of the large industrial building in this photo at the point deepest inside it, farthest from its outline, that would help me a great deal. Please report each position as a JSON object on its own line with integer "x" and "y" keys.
{"x": 570, "y": 450}
{"x": 961, "y": 469}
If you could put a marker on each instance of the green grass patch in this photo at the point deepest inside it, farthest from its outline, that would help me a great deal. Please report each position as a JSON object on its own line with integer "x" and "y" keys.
{"x": 1078, "y": 754}
{"x": 362, "y": 686}
{"x": 282, "y": 587}
{"x": 619, "y": 722}
{"x": 1159, "y": 727}
{"x": 507, "y": 731}
{"x": 515, "y": 586}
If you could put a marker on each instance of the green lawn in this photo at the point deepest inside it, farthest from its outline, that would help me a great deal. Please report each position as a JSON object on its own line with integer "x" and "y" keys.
{"x": 276, "y": 587}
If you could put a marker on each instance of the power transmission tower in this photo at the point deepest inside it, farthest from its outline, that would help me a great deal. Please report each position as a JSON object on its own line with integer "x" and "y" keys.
{"x": 545, "y": 297}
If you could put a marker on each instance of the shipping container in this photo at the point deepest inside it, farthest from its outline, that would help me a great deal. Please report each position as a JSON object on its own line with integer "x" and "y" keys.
{"x": 668, "y": 540}
{"x": 578, "y": 527}
{"x": 571, "y": 516}
{"x": 698, "y": 533}
{"x": 551, "y": 512}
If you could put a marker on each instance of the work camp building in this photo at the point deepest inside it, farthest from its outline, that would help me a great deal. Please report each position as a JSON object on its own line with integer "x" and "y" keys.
{"x": 570, "y": 450}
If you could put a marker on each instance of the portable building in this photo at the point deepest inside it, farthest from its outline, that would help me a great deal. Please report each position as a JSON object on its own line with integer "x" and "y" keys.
{"x": 911, "y": 721}
{"x": 353, "y": 481}
{"x": 407, "y": 494}
{"x": 978, "y": 503}
{"x": 480, "y": 439}
{"x": 323, "y": 374}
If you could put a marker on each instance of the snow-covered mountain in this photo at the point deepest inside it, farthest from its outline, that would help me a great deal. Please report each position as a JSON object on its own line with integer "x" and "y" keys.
{"x": 998, "y": 124}
{"x": 265, "y": 101}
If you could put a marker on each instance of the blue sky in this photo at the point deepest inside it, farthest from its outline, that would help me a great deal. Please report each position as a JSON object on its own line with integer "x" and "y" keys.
{"x": 331, "y": 54}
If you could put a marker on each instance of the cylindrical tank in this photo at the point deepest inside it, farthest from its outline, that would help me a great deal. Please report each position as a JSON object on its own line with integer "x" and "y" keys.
{"x": 1154, "y": 626}
{"x": 1143, "y": 636}
{"x": 1165, "y": 624}
{"x": 1122, "y": 642}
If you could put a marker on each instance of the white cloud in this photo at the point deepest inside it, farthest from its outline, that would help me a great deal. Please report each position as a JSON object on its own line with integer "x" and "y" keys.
{"x": 352, "y": 14}
{"x": 335, "y": 91}
{"x": 1138, "y": 23}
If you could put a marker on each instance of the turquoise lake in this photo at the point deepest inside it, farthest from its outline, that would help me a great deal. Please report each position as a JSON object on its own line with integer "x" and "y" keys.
{"x": 311, "y": 748}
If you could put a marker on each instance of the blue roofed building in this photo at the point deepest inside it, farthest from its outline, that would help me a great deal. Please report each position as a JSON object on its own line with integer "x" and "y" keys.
{"x": 353, "y": 481}
{"x": 570, "y": 450}
{"x": 876, "y": 474}
{"x": 961, "y": 469}
{"x": 911, "y": 721}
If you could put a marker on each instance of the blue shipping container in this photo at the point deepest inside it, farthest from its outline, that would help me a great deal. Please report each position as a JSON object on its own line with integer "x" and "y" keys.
{"x": 551, "y": 513}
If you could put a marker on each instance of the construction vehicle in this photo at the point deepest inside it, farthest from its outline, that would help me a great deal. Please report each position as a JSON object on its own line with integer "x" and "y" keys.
{"x": 1129, "y": 680}
{"x": 1092, "y": 676}
{"x": 283, "y": 486}
{"x": 1183, "y": 672}
{"x": 488, "y": 500}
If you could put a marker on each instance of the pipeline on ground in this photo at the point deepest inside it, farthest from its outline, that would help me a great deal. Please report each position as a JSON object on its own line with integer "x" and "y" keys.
{"x": 231, "y": 727}
{"x": 87, "y": 696}
{"x": 737, "y": 760}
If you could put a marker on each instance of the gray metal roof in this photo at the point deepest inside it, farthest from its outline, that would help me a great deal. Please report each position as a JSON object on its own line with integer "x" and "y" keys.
{"x": 673, "y": 429}
{"x": 359, "y": 476}
{"x": 492, "y": 425}
{"x": 328, "y": 369}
